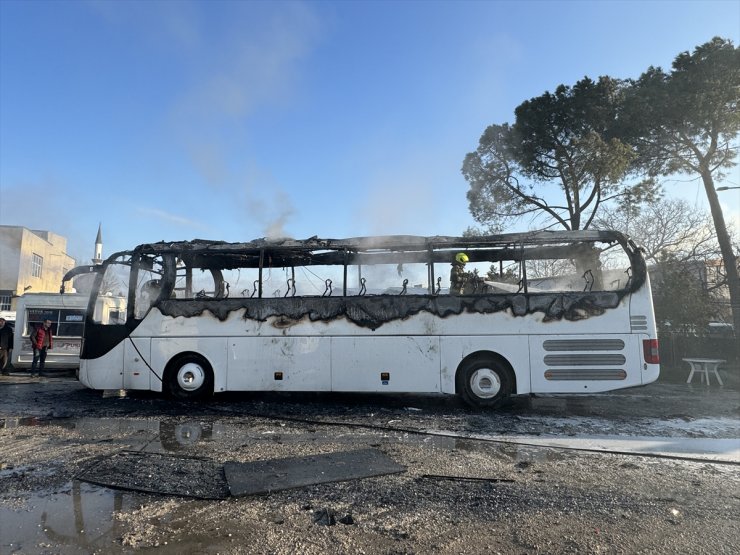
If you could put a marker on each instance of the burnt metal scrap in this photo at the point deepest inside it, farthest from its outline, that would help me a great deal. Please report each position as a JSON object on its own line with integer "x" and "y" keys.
{"x": 158, "y": 473}
{"x": 203, "y": 478}
{"x": 267, "y": 476}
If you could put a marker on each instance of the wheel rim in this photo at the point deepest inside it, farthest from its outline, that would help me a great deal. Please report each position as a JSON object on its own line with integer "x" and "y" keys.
{"x": 191, "y": 376}
{"x": 485, "y": 383}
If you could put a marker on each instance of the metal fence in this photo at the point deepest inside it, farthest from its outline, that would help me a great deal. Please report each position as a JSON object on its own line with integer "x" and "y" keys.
{"x": 676, "y": 346}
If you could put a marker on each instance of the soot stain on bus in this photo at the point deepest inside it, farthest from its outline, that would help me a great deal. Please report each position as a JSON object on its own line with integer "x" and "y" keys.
{"x": 373, "y": 312}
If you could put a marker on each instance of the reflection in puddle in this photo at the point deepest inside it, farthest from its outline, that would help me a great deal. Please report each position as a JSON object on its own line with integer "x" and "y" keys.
{"x": 79, "y": 518}
{"x": 186, "y": 436}
{"x": 175, "y": 435}
{"x": 23, "y": 421}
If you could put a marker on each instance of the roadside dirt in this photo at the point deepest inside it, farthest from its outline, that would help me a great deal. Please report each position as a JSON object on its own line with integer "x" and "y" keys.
{"x": 457, "y": 495}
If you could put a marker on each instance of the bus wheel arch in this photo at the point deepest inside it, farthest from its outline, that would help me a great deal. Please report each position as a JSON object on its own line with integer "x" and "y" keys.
{"x": 485, "y": 379}
{"x": 188, "y": 376}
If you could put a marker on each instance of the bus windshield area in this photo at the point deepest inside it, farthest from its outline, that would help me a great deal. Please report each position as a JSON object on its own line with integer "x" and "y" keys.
{"x": 373, "y": 280}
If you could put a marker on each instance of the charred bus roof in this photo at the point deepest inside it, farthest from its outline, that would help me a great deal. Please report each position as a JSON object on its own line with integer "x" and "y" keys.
{"x": 379, "y": 249}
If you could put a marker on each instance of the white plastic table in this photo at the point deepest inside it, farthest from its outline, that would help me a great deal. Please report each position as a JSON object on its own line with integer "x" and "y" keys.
{"x": 704, "y": 366}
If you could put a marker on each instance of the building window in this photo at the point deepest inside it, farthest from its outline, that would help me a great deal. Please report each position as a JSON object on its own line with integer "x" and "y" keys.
{"x": 36, "y": 265}
{"x": 4, "y": 300}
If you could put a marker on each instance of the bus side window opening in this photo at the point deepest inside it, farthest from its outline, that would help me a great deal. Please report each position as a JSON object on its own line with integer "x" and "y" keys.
{"x": 148, "y": 293}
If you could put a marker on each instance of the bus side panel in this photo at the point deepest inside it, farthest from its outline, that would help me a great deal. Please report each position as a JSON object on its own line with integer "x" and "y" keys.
{"x": 411, "y": 364}
{"x": 642, "y": 320}
{"x": 136, "y": 373}
{"x": 279, "y": 363}
{"x": 213, "y": 349}
{"x": 585, "y": 363}
{"x": 513, "y": 348}
{"x": 103, "y": 372}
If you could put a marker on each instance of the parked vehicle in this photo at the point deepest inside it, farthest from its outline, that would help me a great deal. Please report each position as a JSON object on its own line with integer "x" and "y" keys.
{"x": 290, "y": 315}
{"x": 67, "y": 315}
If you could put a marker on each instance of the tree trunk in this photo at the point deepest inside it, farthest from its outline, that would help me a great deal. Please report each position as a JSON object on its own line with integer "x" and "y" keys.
{"x": 728, "y": 256}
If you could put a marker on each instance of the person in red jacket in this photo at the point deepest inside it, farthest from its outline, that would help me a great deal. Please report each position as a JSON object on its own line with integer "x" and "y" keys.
{"x": 41, "y": 341}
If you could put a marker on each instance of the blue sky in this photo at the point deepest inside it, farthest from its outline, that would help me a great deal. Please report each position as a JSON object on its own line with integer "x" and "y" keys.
{"x": 171, "y": 120}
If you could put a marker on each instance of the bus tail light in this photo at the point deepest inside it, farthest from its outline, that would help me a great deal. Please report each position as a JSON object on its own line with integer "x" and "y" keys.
{"x": 650, "y": 351}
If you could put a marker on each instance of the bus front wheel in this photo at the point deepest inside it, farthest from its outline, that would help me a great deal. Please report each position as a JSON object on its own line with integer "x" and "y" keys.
{"x": 484, "y": 382}
{"x": 189, "y": 377}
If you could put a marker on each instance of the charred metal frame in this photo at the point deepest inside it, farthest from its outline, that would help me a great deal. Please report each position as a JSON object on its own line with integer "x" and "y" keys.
{"x": 372, "y": 311}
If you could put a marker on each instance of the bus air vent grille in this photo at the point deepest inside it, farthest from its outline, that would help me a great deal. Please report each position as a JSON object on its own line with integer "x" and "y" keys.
{"x": 583, "y": 345}
{"x": 575, "y": 374}
{"x": 576, "y": 359}
{"x": 638, "y": 323}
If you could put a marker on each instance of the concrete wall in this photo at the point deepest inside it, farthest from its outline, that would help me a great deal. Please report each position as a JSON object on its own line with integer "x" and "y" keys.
{"x": 10, "y": 247}
{"x": 17, "y": 247}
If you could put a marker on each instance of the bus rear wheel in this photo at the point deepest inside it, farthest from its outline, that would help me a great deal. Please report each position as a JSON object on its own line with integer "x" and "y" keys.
{"x": 484, "y": 382}
{"x": 188, "y": 378}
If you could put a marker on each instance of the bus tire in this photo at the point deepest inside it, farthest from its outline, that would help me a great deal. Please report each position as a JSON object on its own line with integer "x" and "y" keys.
{"x": 484, "y": 381}
{"x": 188, "y": 378}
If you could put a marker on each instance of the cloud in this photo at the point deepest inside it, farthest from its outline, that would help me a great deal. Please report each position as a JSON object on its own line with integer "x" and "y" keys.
{"x": 224, "y": 64}
{"x": 498, "y": 58}
{"x": 171, "y": 218}
{"x": 44, "y": 205}
{"x": 255, "y": 63}
{"x": 175, "y": 24}
{"x": 397, "y": 203}
{"x": 209, "y": 161}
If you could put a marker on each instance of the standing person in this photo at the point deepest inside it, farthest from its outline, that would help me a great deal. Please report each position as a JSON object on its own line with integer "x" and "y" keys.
{"x": 6, "y": 346}
{"x": 458, "y": 276}
{"x": 41, "y": 341}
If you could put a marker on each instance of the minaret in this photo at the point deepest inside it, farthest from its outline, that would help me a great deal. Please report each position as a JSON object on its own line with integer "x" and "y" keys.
{"x": 98, "y": 259}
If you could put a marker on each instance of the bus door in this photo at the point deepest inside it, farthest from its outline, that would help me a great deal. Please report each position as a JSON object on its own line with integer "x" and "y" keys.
{"x": 136, "y": 357}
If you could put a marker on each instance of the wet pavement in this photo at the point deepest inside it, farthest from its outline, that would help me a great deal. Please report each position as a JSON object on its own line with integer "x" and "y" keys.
{"x": 597, "y": 461}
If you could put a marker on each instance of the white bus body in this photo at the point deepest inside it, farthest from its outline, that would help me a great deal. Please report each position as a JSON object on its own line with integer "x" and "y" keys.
{"x": 493, "y": 340}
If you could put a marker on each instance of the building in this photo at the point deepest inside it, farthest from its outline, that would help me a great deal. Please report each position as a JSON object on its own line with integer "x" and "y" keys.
{"x": 98, "y": 258}
{"x": 30, "y": 261}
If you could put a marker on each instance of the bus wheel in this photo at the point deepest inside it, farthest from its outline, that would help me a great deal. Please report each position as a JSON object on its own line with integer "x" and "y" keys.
{"x": 189, "y": 377}
{"x": 484, "y": 381}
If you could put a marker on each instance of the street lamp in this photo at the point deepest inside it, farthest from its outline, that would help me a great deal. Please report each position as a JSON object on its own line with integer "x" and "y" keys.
{"x": 725, "y": 188}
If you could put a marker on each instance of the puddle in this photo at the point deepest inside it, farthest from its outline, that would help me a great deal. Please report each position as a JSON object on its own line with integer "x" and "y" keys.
{"x": 24, "y": 421}
{"x": 702, "y": 449}
{"x": 169, "y": 435}
{"x": 78, "y": 518}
